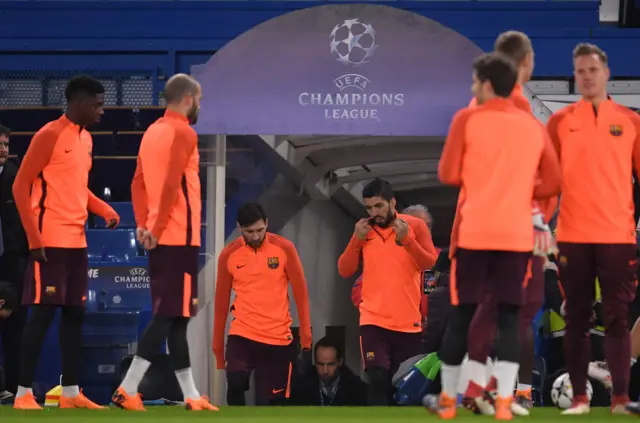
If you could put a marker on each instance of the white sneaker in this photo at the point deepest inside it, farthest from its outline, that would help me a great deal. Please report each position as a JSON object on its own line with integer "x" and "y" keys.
{"x": 519, "y": 410}
{"x": 599, "y": 370}
{"x": 577, "y": 410}
{"x": 620, "y": 409}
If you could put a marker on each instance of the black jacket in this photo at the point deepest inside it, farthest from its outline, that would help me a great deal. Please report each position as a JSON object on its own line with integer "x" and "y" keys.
{"x": 305, "y": 389}
{"x": 14, "y": 237}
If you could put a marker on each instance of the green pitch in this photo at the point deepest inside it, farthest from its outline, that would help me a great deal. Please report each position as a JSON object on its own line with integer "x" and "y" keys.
{"x": 160, "y": 414}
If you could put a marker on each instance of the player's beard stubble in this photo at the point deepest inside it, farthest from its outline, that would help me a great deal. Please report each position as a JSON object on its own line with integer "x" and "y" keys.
{"x": 193, "y": 114}
{"x": 253, "y": 243}
{"x": 391, "y": 216}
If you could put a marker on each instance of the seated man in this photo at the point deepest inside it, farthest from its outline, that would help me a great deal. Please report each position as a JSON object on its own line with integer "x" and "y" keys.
{"x": 330, "y": 382}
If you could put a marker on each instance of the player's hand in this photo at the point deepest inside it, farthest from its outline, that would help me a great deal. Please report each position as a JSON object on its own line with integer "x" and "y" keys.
{"x": 563, "y": 309}
{"x": 544, "y": 244}
{"x": 401, "y": 227}
{"x": 304, "y": 360}
{"x": 38, "y": 254}
{"x": 362, "y": 229}
{"x": 112, "y": 223}
{"x": 139, "y": 234}
{"x": 149, "y": 241}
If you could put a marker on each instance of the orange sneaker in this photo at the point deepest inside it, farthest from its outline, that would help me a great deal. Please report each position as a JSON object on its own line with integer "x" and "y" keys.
{"x": 79, "y": 401}
{"x": 26, "y": 402}
{"x": 127, "y": 402}
{"x": 200, "y": 404}
{"x": 503, "y": 408}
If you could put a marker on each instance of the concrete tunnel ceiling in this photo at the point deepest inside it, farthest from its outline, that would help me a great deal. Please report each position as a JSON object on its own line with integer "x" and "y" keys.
{"x": 346, "y": 93}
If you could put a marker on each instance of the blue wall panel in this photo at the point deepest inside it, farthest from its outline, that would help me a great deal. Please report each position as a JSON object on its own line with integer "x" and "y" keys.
{"x": 170, "y": 36}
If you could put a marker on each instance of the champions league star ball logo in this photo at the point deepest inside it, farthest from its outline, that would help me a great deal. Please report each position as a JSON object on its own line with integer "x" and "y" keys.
{"x": 353, "y": 42}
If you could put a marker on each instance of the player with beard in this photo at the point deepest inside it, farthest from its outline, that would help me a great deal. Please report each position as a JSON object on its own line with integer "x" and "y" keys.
{"x": 395, "y": 249}
{"x": 259, "y": 266}
{"x": 166, "y": 201}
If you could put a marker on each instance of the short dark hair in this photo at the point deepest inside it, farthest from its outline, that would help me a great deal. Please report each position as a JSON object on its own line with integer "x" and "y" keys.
{"x": 4, "y": 131}
{"x": 515, "y": 45}
{"x": 250, "y": 213}
{"x": 378, "y": 188}
{"x": 499, "y": 70}
{"x": 328, "y": 342}
{"x": 587, "y": 49}
{"x": 83, "y": 85}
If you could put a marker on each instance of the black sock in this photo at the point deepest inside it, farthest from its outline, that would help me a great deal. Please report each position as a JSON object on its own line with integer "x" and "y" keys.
{"x": 178, "y": 345}
{"x": 379, "y": 381}
{"x": 153, "y": 337}
{"x": 70, "y": 338}
{"x": 32, "y": 340}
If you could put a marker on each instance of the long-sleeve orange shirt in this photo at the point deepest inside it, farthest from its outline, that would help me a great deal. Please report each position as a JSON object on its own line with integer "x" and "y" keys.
{"x": 547, "y": 205}
{"x": 260, "y": 278}
{"x": 51, "y": 188}
{"x": 598, "y": 151}
{"x": 494, "y": 152}
{"x": 165, "y": 190}
{"x": 391, "y": 276}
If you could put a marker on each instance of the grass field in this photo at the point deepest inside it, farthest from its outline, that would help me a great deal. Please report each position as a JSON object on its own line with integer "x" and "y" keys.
{"x": 161, "y": 414}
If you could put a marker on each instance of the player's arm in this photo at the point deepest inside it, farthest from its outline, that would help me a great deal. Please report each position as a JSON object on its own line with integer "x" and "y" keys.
{"x": 37, "y": 157}
{"x": 224, "y": 282}
{"x": 184, "y": 142}
{"x": 450, "y": 166}
{"x": 350, "y": 259}
{"x": 295, "y": 274}
{"x": 636, "y": 146}
{"x": 139, "y": 197}
{"x": 102, "y": 209}
{"x": 419, "y": 245}
{"x": 549, "y": 172}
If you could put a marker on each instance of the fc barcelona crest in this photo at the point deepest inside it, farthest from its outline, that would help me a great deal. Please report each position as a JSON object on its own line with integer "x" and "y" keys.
{"x": 273, "y": 262}
{"x": 615, "y": 130}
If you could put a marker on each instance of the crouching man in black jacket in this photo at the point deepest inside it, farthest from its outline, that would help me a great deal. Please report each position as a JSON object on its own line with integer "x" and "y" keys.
{"x": 329, "y": 382}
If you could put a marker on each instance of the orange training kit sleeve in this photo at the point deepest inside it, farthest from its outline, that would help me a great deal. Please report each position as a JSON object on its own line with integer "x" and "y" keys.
{"x": 419, "y": 244}
{"x": 493, "y": 152}
{"x": 38, "y": 155}
{"x": 260, "y": 279}
{"x": 101, "y": 208}
{"x": 168, "y": 177}
{"x": 182, "y": 148}
{"x": 598, "y": 150}
{"x": 139, "y": 197}
{"x": 224, "y": 283}
{"x": 549, "y": 172}
{"x": 298, "y": 282}
{"x": 350, "y": 259}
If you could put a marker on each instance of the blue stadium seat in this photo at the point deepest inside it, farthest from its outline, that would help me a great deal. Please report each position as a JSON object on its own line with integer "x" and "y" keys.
{"x": 125, "y": 210}
{"x": 117, "y": 119}
{"x": 103, "y": 143}
{"x": 112, "y": 245}
{"x": 128, "y": 143}
{"x": 28, "y": 120}
{"x": 148, "y": 115}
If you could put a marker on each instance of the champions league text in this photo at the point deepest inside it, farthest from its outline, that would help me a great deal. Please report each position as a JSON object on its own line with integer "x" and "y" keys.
{"x": 352, "y": 105}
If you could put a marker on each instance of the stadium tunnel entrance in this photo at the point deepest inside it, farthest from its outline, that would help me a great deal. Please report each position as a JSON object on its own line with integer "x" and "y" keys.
{"x": 335, "y": 95}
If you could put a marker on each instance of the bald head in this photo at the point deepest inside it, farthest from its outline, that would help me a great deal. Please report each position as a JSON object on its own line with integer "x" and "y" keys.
{"x": 182, "y": 93}
{"x": 179, "y": 86}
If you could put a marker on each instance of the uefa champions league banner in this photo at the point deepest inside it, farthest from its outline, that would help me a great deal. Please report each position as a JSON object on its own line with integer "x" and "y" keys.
{"x": 360, "y": 69}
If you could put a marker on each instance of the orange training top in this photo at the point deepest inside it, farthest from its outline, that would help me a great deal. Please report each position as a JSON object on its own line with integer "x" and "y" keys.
{"x": 493, "y": 152}
{"x": 51, "y": 188}
{"x": 391, "y": 277}
{"x": 166, "y": 186}
{"x": 597, "y": 151}
{"x": 260, "y": 278}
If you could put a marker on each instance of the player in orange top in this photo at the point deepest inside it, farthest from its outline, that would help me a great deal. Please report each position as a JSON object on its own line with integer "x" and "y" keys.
{"x": 395, "y": 249}
{"x": 598, "y": 142}
{"x": 259, "y": 266}
{"x": 495, "y": 153}
{"x": 517, "y": 46}
{"x": 165, "y": 192}
{"x": 52, "y": 196}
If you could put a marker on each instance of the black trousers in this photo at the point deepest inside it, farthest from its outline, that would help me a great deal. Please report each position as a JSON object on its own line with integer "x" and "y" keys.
{"x": 12, "y": 269}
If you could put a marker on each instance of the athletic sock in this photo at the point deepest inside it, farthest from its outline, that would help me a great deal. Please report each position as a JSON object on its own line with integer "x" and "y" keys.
{"x": 450, "y": 376}
{"x": 506, "y": 374}
{"x": 135, "y": 374}
{"x": 70, "y": 391}
{"x": 187, "y": 384}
